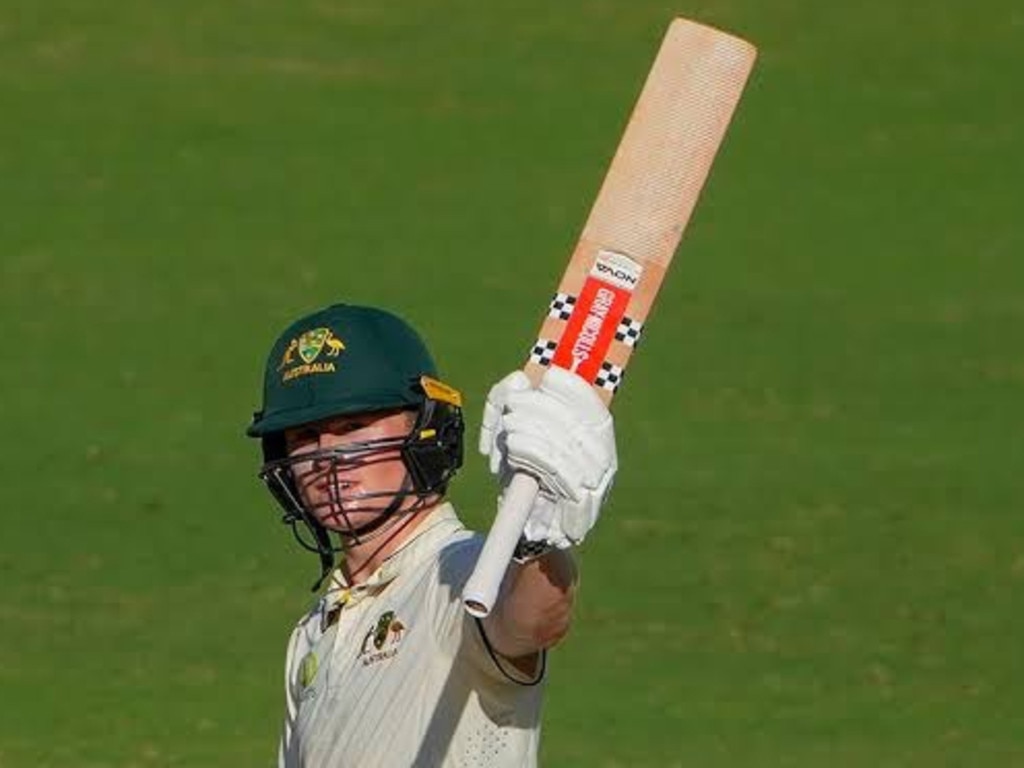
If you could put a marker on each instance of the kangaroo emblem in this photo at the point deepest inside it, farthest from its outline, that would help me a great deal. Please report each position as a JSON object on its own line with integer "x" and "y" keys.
{"x": 289, "y": 355}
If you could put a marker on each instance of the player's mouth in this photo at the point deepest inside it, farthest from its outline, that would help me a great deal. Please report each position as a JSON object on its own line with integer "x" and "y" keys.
{"x": 334, "y": 492}
{"x": 334, "y": 500}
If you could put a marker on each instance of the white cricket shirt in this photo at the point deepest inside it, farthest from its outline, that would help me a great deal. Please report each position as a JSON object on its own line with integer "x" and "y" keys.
{"x": 393, "y": 673}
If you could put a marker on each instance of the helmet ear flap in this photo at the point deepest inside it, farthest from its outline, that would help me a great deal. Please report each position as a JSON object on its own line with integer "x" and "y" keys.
{"x": 434, "y": 451}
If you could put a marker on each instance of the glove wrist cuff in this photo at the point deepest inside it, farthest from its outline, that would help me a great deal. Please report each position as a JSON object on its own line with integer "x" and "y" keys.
{"x": 527, "y": 550}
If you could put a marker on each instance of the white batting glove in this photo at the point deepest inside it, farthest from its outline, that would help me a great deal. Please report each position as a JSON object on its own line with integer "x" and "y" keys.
{"x": 562, "y": 434}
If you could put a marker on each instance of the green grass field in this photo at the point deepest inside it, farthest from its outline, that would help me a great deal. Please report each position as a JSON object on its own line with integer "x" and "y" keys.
{"x": 815, "y": 551}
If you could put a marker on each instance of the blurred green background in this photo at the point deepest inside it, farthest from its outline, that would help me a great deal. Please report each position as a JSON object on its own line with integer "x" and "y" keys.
{"x": 815, "y": 551}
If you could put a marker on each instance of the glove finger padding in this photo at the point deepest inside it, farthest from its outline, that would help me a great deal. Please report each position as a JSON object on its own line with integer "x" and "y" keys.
{"x": 494, "y": 407}
{"x": 567, "y": 446}
{"x": 586, "y": 405}
{"x": 490, "y": 443}
{"x": 560, "y": 474}
{"x": 574, "y": 406}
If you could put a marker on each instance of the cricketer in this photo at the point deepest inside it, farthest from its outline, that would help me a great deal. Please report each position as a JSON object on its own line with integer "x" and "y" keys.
{"x": 360, "y": 440}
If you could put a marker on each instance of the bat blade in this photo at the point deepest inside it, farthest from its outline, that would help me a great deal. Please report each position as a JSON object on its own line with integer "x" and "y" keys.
{"x": 645, "y": 202}
{"x": 600, "y": 309}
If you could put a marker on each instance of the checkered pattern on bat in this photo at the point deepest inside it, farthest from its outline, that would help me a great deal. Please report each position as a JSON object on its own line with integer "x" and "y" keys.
{"x": 609, "y": 377}
{"x": 561, "y": 306}
{"x": 543, "y": 351}
{"x": 629, "y": 331}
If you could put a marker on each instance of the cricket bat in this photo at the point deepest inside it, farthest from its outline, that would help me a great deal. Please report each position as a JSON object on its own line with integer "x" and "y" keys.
{"x": 599, "y": 311}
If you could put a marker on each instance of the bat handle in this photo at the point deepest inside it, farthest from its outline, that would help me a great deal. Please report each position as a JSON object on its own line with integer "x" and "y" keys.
{"x": 481, "y": 590}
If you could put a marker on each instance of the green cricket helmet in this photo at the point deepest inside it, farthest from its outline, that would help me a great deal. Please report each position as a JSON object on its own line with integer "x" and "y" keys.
{"x": 344, "y": 360}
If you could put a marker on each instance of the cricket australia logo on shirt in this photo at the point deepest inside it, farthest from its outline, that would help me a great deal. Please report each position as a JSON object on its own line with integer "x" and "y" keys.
{"x": 382, "y": 640}
{"x": 309, "y": 347}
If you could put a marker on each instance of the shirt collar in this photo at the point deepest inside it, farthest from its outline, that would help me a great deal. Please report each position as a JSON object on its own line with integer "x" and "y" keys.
{"x": 424, "y": 540}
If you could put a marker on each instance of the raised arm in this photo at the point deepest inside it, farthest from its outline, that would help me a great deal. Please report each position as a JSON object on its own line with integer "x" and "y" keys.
{"x": 562, "y": 434}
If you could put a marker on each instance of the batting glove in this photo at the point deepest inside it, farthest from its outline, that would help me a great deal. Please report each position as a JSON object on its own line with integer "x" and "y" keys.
{"x": 562, "y": 434}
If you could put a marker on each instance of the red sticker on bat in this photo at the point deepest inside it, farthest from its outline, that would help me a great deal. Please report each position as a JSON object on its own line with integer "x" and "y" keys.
{"x": 595, "y": 318}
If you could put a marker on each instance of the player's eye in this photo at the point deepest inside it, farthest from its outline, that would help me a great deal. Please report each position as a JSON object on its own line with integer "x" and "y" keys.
{"x": 349, "y": 425}
{"x": 305, "y": 440}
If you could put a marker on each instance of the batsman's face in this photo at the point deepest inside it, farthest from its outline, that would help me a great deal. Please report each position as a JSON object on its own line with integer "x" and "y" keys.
{"x": 349, "y": 468}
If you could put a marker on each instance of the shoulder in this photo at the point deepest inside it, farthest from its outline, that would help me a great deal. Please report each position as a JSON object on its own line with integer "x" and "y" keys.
{"x": 453, "y": 548}
{"x": 444, "y": 575}
{"x": 309, "y": 627}
{"x": 457, "y": 557}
